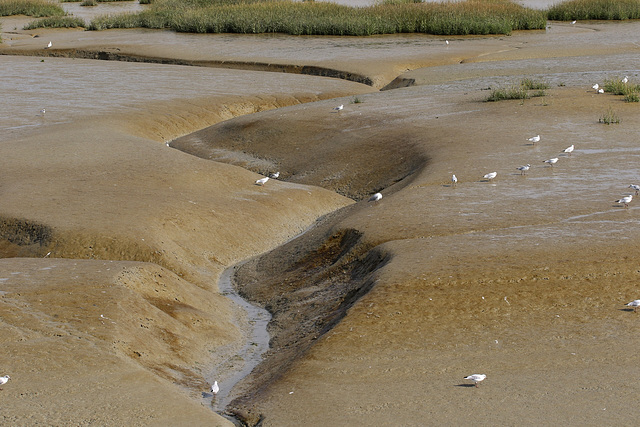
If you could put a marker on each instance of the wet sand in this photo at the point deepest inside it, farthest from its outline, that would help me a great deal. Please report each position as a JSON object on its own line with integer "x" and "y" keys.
{"x": 380, "y": 310}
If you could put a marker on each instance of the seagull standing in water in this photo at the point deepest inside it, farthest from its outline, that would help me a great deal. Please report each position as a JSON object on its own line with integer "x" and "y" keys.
{"x": 476, "y": 378}
{"x": 262, "y": 181}
{"x": 569, "y": 149}
{"x": 375, "y": 197}
{"x": 490, "y": 176}
{"x": 551, "y": 161}
{"x": 625, "y": 200}
{"x": 454, "y": 180}
{"x": 523, "y": 169}
{"x": 635, "y": 304}
{"x": 635, "y": 187}
{"x": 534, "y": 139}
{"x": 3, "y": 380}
{"x": 215, "y": 388}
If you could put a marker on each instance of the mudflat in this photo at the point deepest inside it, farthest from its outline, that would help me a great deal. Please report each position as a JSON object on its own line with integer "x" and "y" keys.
{"x": 112, "y": 241}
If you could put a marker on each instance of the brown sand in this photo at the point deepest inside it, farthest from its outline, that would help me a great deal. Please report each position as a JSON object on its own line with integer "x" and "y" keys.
{"x": 381, "y": 310}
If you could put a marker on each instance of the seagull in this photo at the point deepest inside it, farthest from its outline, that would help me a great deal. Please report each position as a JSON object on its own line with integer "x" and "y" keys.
{"x": 523, "y": 169}
{"x": 490, "y": 176}
{"x": 573, "y": 22}
{"x": 595, "y": 86}
{"x": 215, "y": 388}
{"x": 635, "y": 187}
{"x": 476, "y": 378}
{"x": 635, "y": 304}
{"x": 43, "y": 111}
{"x": 454, "y": 179}
{"x": 49, "y": 45}
{"x": 3, "y": 380}
{"x": 625, "y": 80}
{"x": 275, "y": 175}
{"x": 375, "y": 197}
{"x": 569, "y": 149}
{"x": 262, "y": 181}
{"x": 339, "y": 107}
{"x": 625, "y": 200}
{"x": 551, "y": 161}
{"x": 446, "y": 41}
{"x": 534, "y": 139}
{"x": 600, "y": 90}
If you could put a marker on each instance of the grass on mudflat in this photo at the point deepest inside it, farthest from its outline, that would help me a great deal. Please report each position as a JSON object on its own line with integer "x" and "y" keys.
{"x": 56, "y": 22}
{"x": 321, "y": 18}
{"x": 37, "y": 8}
{"x": 610, "y": 117}
{"x": 594, "y": 9}
{"x": 630, "y": 91}
{"x": 528, "y": 88}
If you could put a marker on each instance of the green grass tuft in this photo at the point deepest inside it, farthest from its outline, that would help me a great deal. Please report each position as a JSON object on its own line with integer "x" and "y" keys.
{"x": 56, "y": 22}
{"x": 521, "y": 91}
{"x": 594, "y": 9}
{"x": 36, "y": 8}
{"x": 610, "y": 117}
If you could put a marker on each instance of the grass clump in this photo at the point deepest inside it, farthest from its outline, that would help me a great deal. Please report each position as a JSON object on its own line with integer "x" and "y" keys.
{"x": 321, "y": 18}
{"x": 36, "y": 8}
{"x": 630, "y": 91}
{"x": 89, "y": 3}
{"x": 610, "y": 117}
{"x": 528, "y": 88}
{"x": 56, "y": 22}
{"x": 595, "y": 9}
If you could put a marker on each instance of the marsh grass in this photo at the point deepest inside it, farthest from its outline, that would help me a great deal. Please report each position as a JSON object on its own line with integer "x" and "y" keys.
{"x": 321, "y": 18}
{"x": 528, "y": 88}
{"x": 89, "y": 3}
{"x": 36, "y": 8}
{"x": 56, "y": 22}
{"x": 610, "y": 117}
{"x": 594, "y": 9}
{"x": 630, "y": 91}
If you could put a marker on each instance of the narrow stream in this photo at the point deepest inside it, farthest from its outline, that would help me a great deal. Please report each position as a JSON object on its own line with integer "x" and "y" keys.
{"x": 230, "y": 372}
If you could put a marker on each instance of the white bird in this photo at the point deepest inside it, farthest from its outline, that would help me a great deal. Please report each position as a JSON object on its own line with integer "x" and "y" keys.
{"x": 625, "y": 200}
{"x": 551, "y": 161}
{"x": 446, "y": 41}
{"x": 523, "y": 169}
{"x": 262, "y": 181}
{"x": 595, "y": 86}
{"x": 569, "y": 149}
{"x": 635, "y": 304}
{"x": 573, "y": 22}
{"x": 534, "y": 139}
{"x": 339, "y": 107}
{"x": 476, "y": 378}
{"x": 275, "y": 175}
{"x": 490, "y": 176}
{"x": 454, "y": 179}
{"x": 49, "y": 45}
{"x": 600, "y": 90}
{"x": 43, "y": 111}
{"x": 3, "y": 380}
{"x": 375, "y": 197}
{"x": 625, "y": 80}
{"x": 215, "y": 388}
{"x": 635, "y": 187}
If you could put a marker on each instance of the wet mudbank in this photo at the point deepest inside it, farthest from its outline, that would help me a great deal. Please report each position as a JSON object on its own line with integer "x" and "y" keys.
{"x": 114, "y": 54}
{"x": 23, "y": 238}
{"x": 307, "y": 285}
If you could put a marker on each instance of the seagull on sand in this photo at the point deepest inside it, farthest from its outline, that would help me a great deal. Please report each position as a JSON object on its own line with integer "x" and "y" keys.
{"x": 595, "y": 87}
{"x": 3, "y": 380}
{"x": 476, "y": 378}
{"x": 375, "y": 197}
{"x": 625, "y": 200}
{"x": 275, "y": 175}
{"x": 262, "y": 181}
{"x": 523, "y": 169}
{"x": 43, "y": 111}
{"x": 215, "y": 388}
{"x": 625, "y": 80}
{"x": 573, "y": 22}
{"x": 635, "y": 304}
{"x": 569, "y": 149}
{"x": 490, "y": 176}
{"x": 600, "y": 90}
{"x": 635, "y": 187}
{"x": 49, "y": 45}
{"x": 339, "y": 107}
{"x": 534, "y": 139}
{"x": 454, "y": 180}
{"x": 551, "y": 161}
